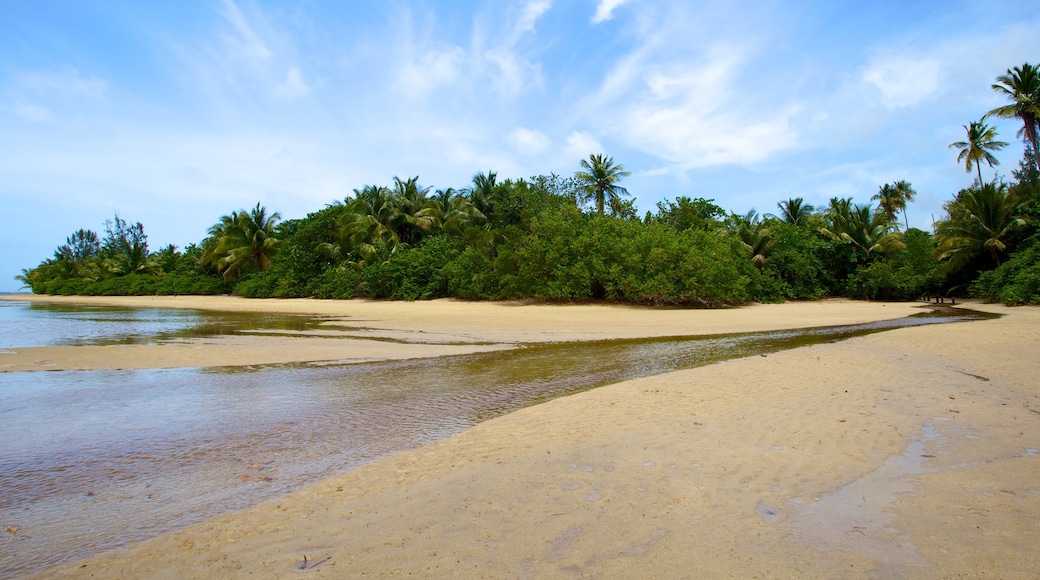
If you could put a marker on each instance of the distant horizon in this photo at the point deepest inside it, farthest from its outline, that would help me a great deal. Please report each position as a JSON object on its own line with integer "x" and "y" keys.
{"x": 176, "y": 114}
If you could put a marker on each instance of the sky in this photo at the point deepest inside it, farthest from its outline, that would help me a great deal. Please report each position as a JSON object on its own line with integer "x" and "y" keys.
{"x": 174, "y": 113}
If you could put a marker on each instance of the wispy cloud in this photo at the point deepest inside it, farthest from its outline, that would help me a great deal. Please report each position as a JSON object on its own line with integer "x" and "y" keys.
{"x": 605, "y": 10}
{"x": 528, "y": 141}
{"x": 530, "y": 12}
{"x": 581, "y": 144}
{"x": 903, "y": 81}
{"x": 242, "y": 40}
{"x": 46, "y": 96}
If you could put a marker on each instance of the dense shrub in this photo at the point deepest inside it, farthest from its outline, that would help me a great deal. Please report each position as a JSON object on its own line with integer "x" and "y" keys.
{"x": 1014, "y": 282}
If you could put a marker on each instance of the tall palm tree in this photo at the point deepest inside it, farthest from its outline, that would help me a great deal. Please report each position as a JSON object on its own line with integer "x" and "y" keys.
{"x": 1021, "y": 87}
{"x": 981, "y": 140}
{"x": 906, "y": 193}
{"x": 892, "y": 198}
{"x": 870, "y": 232}
{"x": 795, "y": 211}
{"x": 600, "y": 180}
{"x": 980, "y": 219}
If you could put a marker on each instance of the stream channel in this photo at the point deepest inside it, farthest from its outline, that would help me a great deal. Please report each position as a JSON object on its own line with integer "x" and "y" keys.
{"x": 93, "y": 460}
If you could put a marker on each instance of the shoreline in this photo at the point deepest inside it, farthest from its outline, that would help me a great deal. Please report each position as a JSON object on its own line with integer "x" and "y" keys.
{"x": 368, "y": 331}
{"x": 909, "y": 452}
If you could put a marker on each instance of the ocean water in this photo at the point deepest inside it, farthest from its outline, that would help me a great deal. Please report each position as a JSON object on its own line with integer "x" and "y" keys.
{"x": 93, "y": 460}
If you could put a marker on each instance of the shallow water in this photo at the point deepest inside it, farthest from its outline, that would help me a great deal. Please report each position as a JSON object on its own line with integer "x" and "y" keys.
{"x": 97, "y": 459}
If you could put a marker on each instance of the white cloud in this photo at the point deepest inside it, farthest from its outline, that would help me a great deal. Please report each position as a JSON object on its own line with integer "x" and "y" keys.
{"x": 581, "y": 144}
{"x": 903, "y": 81}
{"x": 528, "y": 141}
{"x": 293, "y": 86}
{"x": 436, "y": 67}
{"x": 605, "y": 10}
{"x": 695, "y": 115}
{"x": 532, "y": 11}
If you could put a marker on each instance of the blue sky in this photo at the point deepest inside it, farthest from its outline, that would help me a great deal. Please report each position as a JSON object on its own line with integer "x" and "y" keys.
{"x": 175, "y": 113}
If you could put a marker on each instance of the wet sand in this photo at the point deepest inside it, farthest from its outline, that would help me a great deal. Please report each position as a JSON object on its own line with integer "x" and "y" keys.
{"x": 908, "y": 453}
{"x": 379, "y": 330}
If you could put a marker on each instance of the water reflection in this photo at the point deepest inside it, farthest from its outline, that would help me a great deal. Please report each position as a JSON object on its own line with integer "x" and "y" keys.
{"x": 77, "y": 325}
{"x": 95, "y": 459}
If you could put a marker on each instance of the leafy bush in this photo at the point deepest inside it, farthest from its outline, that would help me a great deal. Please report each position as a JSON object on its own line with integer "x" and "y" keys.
{"x": 1014, "y": 282}
{"x": 413, "y": 273}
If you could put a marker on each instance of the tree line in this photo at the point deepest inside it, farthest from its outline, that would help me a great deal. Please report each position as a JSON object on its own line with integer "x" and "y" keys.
{"x": 580, "y": 237}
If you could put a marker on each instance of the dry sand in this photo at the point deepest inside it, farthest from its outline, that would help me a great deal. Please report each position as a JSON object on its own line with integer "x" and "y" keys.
{"x": 909, "y": 453}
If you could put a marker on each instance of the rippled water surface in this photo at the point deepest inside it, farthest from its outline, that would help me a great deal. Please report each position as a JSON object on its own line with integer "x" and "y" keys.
{"x": 96, "y": 459}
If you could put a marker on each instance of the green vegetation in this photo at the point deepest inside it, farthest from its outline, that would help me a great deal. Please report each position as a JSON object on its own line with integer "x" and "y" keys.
{"x": 576, "y": 238}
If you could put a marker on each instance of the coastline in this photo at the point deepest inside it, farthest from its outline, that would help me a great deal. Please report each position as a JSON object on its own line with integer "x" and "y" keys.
{"x": 910, "y": 453}
{"x": 367, "y": 330}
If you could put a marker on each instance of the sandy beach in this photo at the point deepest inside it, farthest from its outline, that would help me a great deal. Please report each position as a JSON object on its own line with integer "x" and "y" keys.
{"x": 907, "y": 453}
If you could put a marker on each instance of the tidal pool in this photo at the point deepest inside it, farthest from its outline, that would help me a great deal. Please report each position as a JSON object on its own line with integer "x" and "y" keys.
{"x": 93, "y": 460}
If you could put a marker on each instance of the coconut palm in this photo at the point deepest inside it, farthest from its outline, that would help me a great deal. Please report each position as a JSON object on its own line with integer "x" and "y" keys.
{"x": 242, "y": 241}
{"x": 795, "y": 211}
{"x": 453, "y": 213}
{"x": 366, "y": 228}
{"x": 1021, "y": 87}
{"x": 754, "y": 235}
{"x": 482, "y": 194}
{"x": 979, "y": 221}
{"x": 892, "y": 198}
{"x": 981, "y": 140}
{"x": 414, "y": 212}
{"x": 600, "y": 181}
{"x": 870, "y": 232}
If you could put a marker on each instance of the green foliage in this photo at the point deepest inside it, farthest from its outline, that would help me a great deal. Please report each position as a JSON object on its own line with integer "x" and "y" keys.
{"x": 686, "y": 213}
{"x": 908, "y": 274}
{"x": 870, "y": 232}
{"x": 599, "y": 182}
{"x": 978, "y": 226}
{"x": 242, "y": 242}
{"x": 794, "y": 267}
{"x": 471, "y": 275}
{"x": 569, "y": 257}
{"x": 411, "y": 274}
{"x": 1014, "y": 282}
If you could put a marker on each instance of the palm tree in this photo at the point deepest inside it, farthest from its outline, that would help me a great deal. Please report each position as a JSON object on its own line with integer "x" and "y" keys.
{"x": 243, "y": 240}
{"x": 453, "y": 213}
{"x": 906, "y": 194}
{"x": 981, "y": 140}
{"x": 414, "y": 212}
{"x": 600, "y": 181}
{"x": 367, "y": 227}
{"x": 795, "y": 211}
{"x": 1021, "y": 86}
{"x": 125, "y": 248}
{"x": 482, "y": 194}
{"x": 754, "y": 235}
{"x": 869, "y": 231}
{"x": 892, "y": 198}
{"x": 980, "y": 219}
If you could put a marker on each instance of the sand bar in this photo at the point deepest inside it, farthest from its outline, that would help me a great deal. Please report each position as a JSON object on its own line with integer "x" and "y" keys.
{"x": 909, "y": 453}
{"x": 359, "y": 329}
